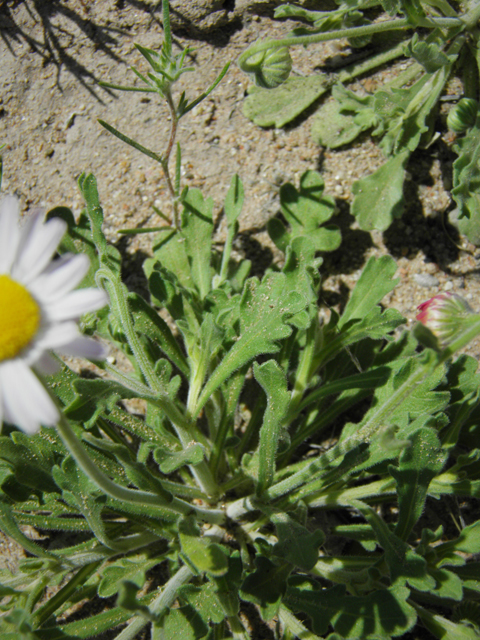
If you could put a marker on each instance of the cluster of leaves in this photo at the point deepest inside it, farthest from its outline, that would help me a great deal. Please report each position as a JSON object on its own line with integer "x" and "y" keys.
{"x": 242, "y": 458}
{"x": 214, "y": 495}
{"x": 401, "y": 113}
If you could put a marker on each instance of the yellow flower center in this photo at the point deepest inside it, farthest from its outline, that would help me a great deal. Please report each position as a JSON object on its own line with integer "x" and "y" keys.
{"x": 19, "y": 317}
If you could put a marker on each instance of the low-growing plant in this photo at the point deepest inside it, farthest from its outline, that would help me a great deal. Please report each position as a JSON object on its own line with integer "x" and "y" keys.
{"x": 208, "y": 502}
{"x": 438, "y": 39}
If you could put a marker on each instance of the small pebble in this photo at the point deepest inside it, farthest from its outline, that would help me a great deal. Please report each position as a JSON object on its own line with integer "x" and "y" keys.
{"x": 426, "y": 280}
{"x": 448, "y": 286}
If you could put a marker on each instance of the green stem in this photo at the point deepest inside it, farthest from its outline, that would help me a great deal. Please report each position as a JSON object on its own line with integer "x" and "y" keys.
{"x": 355, "y": 70}
{"x": 129, "y": 495}
{"x": 163, "y": 602}
{"x": 183, "y": 428}
{"x": 44, "y": 612}
{"x": 118, "y": 298}
{"x": 304, "y": 371}
{"x": 397, "y": 24}
{"x": 166, "y": 157}
{"x": 344, "y": 497}
{"x": 237, "y": 628}
{"x": 364, "y": 434}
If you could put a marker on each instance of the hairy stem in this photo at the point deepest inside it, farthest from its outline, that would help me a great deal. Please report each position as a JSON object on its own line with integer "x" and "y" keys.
{"x": 123, "y": 494}
{"x": 160, "y": 604}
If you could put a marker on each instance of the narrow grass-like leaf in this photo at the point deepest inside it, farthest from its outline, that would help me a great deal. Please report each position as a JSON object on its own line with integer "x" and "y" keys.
{"x": 186, "y": 107}
{"x": 132, "y": 143}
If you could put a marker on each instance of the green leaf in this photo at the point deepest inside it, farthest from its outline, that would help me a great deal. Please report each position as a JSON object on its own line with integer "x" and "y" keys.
{"x": 95, "y": 397}
{"x": 10, "y": 528}
{"x": 132, "y": 143}
{"x": 171, "y": 461}
{"x": 383, "y": 613}
{"x": 411, "y": 9}
{"x": 31, "y": 458}
{"x": 375, "y": 282}
{"x": 406, "y": 404}
{"x": 149, "y": 323}
{"x": 170, "y": 253}
{"x": 296, "y": 544}
{"x": 197, "y": 229}
{"x": 134, "y": 568}
{"x": 204, "y": 600}
{"x": 232, "y": 208}
{"x": 306, "y": 210}
{"x": 78, "y": 239}
{"x": 446, "y": 629}
{"x": 201, "y": 554}
{"x": 417, "y": 466}
{"x": 428, "y": 54}
{"x": 272, "y": 379}
{"x": 449, "y": 584}
{"x": 234, "y": 200}
{"x": 467, "y": 542}
{"x": 363, "y": 533}
{"x": 91, "y": 626}
{"x": 266, "y": 312}
{"x": 88, "y": 187}
{"x": 361, "y": 108}
{"x": 80, "y": 492}
{"x": 184, "y": 623}
{"x": 404, "y": 564}
{"x": 127, "y": 599}
{"x": 332, "y": 129}
{"x": 136, "y": 471}
{"x": 301, "y": 270}
{"x": 466, "y": 181}
{"x": 227, "y": 586}
{"x": 266, "y": 586}
{"x": 409, "y": 114}
{"x": 469, "y": 575}
{"x": 379, "y": 197}
{"x": 276, "y": 107}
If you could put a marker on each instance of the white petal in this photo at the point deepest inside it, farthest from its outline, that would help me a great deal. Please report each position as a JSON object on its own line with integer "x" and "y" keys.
{"x": 26, "y": 402}
{"x": 75, "y": 304}
{"x": 56, "y": 335}
{"x": 60, "y": 277}
{"x": 1, "y": 408}
{"x": 38, "y": 244}
{"x": 83, "y": 347}
{"x": 9, "y": 232}
{"x": 47, "y": 365}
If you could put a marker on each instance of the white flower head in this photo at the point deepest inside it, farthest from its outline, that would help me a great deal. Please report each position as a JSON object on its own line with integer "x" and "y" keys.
{"x": 38, "y": 313}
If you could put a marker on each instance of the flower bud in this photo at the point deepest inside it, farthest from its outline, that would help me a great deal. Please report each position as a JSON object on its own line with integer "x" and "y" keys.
{"x": 463, "y": 115}
{"x": 269, "y": 68}
{"x": 444, "y": 315}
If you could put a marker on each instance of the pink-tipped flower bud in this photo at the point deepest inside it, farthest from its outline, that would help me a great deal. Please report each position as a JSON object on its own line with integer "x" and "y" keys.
{"x": 444, "y": 315}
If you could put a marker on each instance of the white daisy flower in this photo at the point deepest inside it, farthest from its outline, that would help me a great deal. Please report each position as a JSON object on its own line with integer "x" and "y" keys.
{"x": 38, "y": 310}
